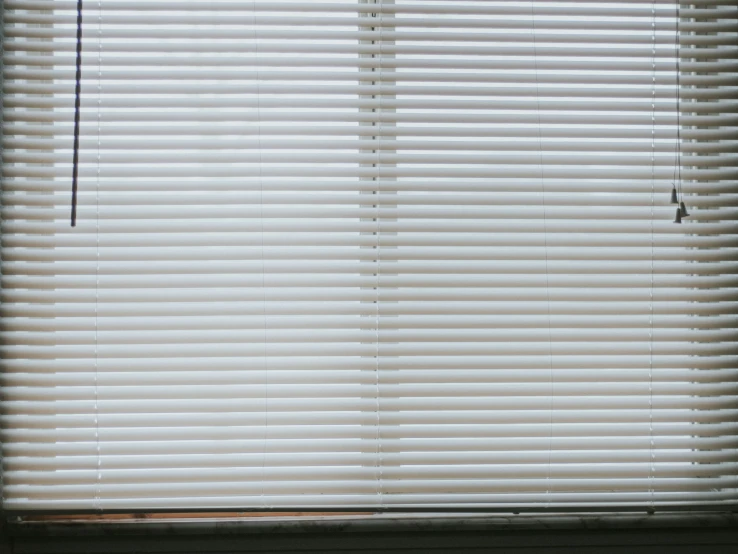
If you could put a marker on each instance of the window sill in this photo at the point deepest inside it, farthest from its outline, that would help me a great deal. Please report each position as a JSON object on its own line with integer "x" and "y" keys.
{"x": 301, "y": 522}
{"x": 675, "y": 533}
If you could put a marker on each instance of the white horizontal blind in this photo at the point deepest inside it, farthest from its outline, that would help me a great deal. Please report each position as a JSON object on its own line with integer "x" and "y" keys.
{"x": 392, "y": 254}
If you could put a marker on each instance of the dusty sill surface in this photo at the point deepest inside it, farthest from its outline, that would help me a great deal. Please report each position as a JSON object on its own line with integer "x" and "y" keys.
{"x": 233, "y": 523}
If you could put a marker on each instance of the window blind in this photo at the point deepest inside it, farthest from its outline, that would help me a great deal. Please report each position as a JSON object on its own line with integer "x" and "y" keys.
{"x": 372, "y": 255}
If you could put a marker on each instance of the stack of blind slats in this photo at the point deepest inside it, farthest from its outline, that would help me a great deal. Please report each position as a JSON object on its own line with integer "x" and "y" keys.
{"x": 370, "y": 254}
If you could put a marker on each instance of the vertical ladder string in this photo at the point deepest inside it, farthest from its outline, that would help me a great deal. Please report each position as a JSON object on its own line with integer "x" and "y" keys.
{"x": 541, "y": 166}
{"x": 98, "y": 482}
{"x": 651, "y": 464}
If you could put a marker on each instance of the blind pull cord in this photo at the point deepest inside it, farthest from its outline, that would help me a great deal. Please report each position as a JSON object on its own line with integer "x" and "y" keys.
{"x": 77, "y": 87}
{"x": 678, "y": 58}
{"x": 676, "y": 186}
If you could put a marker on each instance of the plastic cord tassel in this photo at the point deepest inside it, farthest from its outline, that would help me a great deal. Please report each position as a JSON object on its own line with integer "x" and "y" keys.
{"x": 678, "y": 218}
{"x": 683, "y": 209}
{"x": 674, "y": 196}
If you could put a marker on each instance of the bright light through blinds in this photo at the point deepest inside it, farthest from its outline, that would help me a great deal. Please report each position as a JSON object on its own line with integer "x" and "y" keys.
{"x": 370, "y": 255}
